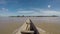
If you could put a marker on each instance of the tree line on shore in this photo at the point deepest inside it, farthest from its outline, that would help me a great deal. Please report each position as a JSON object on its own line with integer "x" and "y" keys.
{"x": 34, "y": 16}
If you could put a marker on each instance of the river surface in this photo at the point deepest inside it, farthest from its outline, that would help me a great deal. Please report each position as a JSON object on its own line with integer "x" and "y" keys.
{"x": 21, "y": 19}
{"x": 9, "y": 24}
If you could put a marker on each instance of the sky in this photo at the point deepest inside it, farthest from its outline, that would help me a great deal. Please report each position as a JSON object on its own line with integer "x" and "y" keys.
{"x": 29, "y": 7}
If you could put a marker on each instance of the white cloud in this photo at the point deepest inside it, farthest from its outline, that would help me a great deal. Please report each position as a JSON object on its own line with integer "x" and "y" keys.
{"x": 50, "y": 12}
{"x": 3, "y": 10}
{"x": 25, "y": 12}
{"x": 34, "y": 12}
{"x": 49, "y": 6}
{"x": 40, "y": 12}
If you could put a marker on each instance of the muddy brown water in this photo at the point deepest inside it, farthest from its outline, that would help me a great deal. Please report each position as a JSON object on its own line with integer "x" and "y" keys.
{"x": 50, "y": 24}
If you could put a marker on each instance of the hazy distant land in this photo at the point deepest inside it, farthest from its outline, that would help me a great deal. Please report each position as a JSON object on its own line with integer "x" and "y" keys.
{"x": 34, "y": 16}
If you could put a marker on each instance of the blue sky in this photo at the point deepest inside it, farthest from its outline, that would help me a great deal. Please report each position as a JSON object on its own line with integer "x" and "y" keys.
{"x": 29, "y": 7}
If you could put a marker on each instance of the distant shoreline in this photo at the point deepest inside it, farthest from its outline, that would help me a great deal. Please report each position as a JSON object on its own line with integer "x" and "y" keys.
{"x": 33, "y": 16}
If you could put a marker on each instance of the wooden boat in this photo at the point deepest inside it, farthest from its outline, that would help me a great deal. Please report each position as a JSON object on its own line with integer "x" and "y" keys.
{"x": 29, "y": 28}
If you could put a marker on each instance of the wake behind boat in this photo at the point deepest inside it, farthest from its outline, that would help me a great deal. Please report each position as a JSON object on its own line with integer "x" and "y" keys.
{"x": 29, "y": 28}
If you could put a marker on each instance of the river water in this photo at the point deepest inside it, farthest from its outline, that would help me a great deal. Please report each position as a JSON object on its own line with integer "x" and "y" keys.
{"x": 8, "y": 24}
